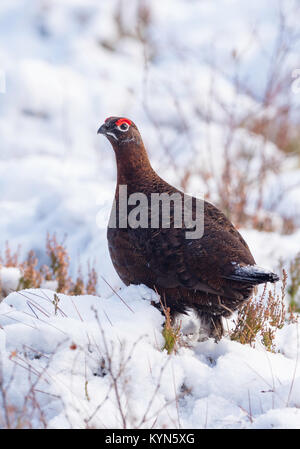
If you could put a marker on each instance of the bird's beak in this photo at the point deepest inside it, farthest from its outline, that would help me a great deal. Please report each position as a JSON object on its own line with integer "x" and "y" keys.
{"x": 103, "y": 129}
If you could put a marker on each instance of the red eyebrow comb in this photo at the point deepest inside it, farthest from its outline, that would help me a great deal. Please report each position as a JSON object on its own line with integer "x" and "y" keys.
{"x": 123, "y": 120}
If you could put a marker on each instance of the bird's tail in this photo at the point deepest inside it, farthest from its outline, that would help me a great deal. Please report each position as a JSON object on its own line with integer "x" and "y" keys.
{"x": 253, "y": 274}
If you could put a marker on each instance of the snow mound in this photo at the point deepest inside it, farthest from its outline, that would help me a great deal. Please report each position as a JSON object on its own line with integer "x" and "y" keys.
{"x": 9, "y": 280}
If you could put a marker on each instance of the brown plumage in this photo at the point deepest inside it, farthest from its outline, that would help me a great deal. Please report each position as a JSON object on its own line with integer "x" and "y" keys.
{"x": 213, "y": 274}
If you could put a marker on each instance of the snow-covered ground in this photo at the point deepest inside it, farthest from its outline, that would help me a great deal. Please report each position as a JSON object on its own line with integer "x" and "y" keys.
{"x": 68, "y": 65}
{"x": 98, "y": 362}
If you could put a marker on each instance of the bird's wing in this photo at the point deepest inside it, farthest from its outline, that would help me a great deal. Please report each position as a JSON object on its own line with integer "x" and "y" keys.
{"x": 198, "y": 264}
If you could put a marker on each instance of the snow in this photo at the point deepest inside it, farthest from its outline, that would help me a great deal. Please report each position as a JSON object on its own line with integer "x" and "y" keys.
{"x": 227, "y": 385}
{"x": 66, "y": 69}
{"x": 9, "y": 280}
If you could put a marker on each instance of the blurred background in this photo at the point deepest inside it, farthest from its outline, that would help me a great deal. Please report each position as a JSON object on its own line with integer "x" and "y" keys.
{"x": 212, "y": 87}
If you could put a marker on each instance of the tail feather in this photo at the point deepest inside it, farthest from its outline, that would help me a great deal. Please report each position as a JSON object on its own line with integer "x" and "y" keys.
{"x": 253, "y": 274}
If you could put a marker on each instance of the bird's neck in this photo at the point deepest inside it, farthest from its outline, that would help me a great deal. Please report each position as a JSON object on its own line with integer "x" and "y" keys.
{"x": 133, "y": 166}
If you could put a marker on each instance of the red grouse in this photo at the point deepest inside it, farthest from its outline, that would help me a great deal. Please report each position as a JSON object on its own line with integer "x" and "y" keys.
{"x": 213, "y": 274}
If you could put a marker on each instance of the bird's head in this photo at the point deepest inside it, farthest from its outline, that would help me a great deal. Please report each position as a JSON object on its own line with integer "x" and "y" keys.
{"x": 131, "y": 155}
{"x": 119, "y": 131}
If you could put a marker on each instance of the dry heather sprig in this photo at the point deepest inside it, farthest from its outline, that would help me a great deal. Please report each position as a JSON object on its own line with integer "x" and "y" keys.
{"x": 55, "y": 303}
{"x": 10, "y": 259}
{"x": 32, "y": 277}
{"x": 171, "y": 332}
{"x": 91, "y": 287}
{"x": 294, "y": 284}
{"x": 78, "y": 288}
{"x": 260, "y": 318}
{"x": 59, "y": 263}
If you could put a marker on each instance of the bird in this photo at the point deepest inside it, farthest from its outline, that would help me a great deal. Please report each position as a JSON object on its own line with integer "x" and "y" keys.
{"x": 213, "y": 274}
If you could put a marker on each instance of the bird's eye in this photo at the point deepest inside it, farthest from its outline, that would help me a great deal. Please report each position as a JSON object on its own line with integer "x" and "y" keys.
{"x": 123, "y": 127}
